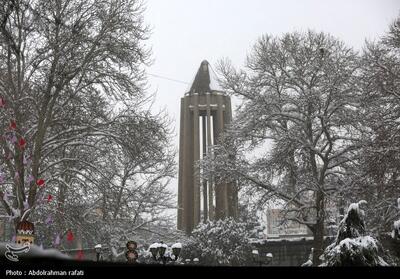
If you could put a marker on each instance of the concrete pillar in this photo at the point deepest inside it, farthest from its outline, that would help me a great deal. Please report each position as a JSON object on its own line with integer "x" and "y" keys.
{"x": 180, "y": 177}
{"x": 204, "y": 181}
{"x": 196, "y": 158}
{"x": 232, "y": 190}
{"x": 219, "y": 201}
{"x": 187, "y": 168}
{"x": 220, "y": 188}
{"x": 209, "y": 143}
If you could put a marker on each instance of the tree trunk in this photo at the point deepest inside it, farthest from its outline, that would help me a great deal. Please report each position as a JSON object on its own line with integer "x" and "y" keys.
{"x": 318, "y": 232}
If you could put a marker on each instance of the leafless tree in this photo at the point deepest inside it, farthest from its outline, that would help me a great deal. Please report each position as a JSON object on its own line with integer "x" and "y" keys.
{"x": 299, "y": 98}
{"x": 73, "y": 83}
{"x": 376, "y": 176}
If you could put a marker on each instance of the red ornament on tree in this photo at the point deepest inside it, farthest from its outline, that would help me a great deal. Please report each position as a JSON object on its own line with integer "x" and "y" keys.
{"x": 80, "y": 255}
{"x": 49, "y": 198}
{"x": 2, "y": 102}
{"x": 40, "y": 182}
{"x": 13, "y": 125}
{"x": 21, "y": 143}
{"x": 70, "y": 236}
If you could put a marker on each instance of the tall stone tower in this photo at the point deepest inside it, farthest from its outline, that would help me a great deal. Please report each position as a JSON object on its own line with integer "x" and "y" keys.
{"x": 205, "y": 109}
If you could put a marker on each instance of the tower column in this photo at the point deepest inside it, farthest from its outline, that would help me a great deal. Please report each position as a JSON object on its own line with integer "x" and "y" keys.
{"x": 187, "y": 168}
{"x": 220, "y": 191}
{"x": 232, "y": 190}
{"x": 211, "y": 209}
{"x": 181, "y": 155}
{"x": 196, "y": 158}
{"x": 204, "y": 180}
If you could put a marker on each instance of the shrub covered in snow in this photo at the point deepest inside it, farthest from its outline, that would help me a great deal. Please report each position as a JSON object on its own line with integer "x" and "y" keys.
{"x": 396, "y": 230}
{"x": 396, "y": 225}
{"x": 222, "y": 242}
{"x": 353, "y": 246}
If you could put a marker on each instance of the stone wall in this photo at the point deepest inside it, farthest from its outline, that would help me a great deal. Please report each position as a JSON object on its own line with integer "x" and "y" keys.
{"x": 288, "y": 252}
{"x": 295, "y": 252}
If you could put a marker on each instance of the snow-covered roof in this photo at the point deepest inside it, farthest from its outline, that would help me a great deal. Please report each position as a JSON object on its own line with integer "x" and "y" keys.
{"x": 205, "y": 80}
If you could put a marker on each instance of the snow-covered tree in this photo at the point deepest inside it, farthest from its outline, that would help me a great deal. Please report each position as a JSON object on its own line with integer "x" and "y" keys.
{"x": 249, "y": 214}
{"x": 396, "y": 224}
{"x": 221, "y": 242}
{"x": 294, "y": 130}
{"x": 82, "y": 155}
{"x": 353, "y": 246}
{"x": 375, "y": 176}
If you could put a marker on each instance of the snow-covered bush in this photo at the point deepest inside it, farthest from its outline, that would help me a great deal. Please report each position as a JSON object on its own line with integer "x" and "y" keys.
{"x": 396, "y": 225}
{"x": 353, "y": 246}
{"x": 222, "y": 242}
{"x": 396, "y": 230}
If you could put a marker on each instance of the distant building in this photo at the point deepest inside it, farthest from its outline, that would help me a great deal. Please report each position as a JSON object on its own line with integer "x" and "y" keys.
{"x": 276, "y": 225}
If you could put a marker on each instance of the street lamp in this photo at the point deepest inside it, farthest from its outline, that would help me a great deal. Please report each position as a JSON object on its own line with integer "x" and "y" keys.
{"x": 99, "y": 256}
{"x": 159, "y": 252}
{"x": 176, "y": 250}
{"x": 154, "y": 250}
{"x": 259, "y": 259}
{"x": 162, "y": 248}
{"x": 269, "y": 258}
{"x": 256, "y": 257}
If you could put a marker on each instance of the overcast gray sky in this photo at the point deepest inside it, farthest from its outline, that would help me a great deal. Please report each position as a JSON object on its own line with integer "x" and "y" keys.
{"x": 185, "y": 32}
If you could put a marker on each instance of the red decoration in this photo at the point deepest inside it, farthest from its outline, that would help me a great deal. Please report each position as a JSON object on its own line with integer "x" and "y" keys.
{"x": 70, "y": 236}
{"x": 49, "y": 198}
{"x": 21, "y": 143}
{"x": 13, "y": 125}
{"x": 2, "y": 102}
{"x": 40, "y": 182}
{"x": 80, "y": 255}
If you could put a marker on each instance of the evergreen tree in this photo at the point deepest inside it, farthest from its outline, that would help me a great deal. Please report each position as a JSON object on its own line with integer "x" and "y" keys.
{"x": 353, "y": 246}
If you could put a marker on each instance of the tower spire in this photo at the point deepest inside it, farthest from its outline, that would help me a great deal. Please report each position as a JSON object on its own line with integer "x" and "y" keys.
{"x": 205, "y": 80}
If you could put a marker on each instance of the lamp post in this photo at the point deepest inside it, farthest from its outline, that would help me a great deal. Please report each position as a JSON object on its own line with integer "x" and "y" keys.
{"x": 159, "y": 252}
{"x": 256, "y": 257}
{"x": 162, "y": 248}
{"x": 260, "y": 260}
{"x": 154, "y": 250}
{"x": 99, "y": 256}
{"x": 176, "y": 250}
{"x": 269, "y": 258}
